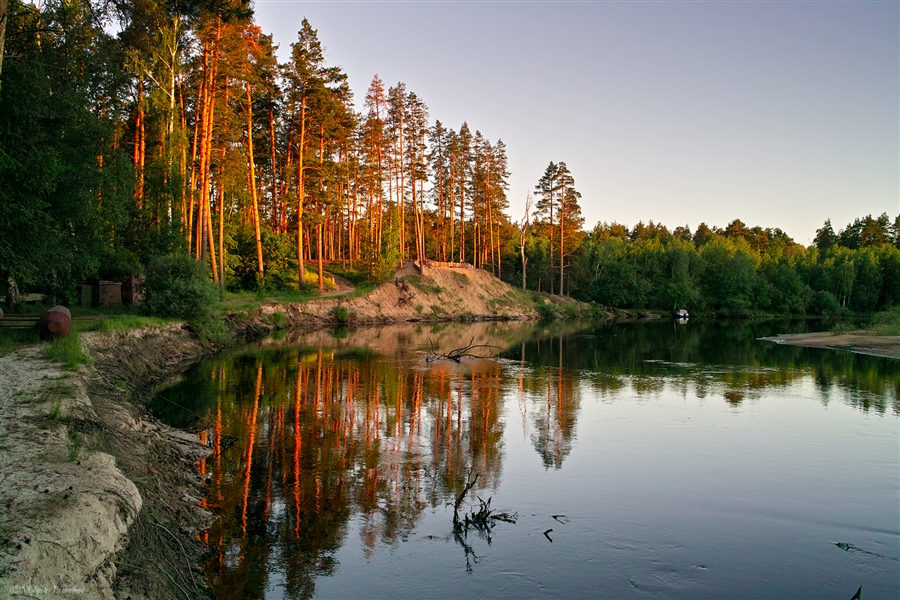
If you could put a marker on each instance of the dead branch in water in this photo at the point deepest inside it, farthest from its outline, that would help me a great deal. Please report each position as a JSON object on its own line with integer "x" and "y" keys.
{"x": 459, "y": 501}
{"x": 458, "y": 354}
{"x": 482, "y": 521}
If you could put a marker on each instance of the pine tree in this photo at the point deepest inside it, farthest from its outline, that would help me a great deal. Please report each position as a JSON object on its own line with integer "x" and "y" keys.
{"x": 547, "y": 207}
{"x": 305, "y": 75}
{"x": 570, "y": 219}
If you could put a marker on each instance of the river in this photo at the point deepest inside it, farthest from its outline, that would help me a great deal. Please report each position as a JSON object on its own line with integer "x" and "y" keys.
{"x": 629, "y": 460}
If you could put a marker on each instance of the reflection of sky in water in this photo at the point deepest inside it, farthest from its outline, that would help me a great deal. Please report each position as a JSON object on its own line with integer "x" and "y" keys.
{"x": 670, "y": 476}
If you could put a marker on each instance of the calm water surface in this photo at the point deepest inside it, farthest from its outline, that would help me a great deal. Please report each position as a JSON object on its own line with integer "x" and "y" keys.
{"x": 642, "y": 460}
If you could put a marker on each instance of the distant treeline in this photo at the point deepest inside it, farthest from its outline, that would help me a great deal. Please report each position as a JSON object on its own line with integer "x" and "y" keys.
{"x": 737, "y": 270}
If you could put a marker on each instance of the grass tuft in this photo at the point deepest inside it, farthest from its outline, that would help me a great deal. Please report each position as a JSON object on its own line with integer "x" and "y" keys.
{"x": 76, "y": 441}
{"x": 119, "y": 323}
{"x": 279, "y": 320}
{"x": 342, "y": 314}
{"x": 67, "y": 351}
{"x": 13, "y": 339}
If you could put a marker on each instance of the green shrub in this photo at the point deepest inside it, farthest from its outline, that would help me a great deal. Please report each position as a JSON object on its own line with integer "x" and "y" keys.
{"x": 241, "y": 267}
{"x": 177, "y": 286}
{"x": 887, "y": 322}
{"x": 118, "y": 263}
{"x": 546, "y": 311}
{"x": 844, "y": 327}
{"x": 279, "y": 320}
{"x": 212, "y": 331}
{"x": 341, "y": 314}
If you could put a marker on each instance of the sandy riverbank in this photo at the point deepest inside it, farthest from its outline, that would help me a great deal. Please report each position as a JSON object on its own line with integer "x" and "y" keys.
{"x": 860, "y": 342}
{"x": 97, "y": 498}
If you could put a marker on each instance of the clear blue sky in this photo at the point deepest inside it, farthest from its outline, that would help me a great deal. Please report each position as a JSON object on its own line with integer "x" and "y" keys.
{"x": 781, "y": 114}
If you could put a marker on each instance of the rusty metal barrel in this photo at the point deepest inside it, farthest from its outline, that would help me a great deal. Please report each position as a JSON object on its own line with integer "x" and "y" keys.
{"x": 54, "y": 324}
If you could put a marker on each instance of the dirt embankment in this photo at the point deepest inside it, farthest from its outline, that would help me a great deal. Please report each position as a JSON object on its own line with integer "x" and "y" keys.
{"x": 97, "y": 498}
{"x": 861, "y": 342}
{"x": 434, "y": 294}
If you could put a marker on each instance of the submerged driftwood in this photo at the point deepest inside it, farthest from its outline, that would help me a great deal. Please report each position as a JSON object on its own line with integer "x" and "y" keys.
{"x": 456, "y": 355}
{"x": 482, "y": 521}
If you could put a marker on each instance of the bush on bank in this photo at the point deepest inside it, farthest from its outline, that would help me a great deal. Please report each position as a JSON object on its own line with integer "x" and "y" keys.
{"x": 177, "y": 286}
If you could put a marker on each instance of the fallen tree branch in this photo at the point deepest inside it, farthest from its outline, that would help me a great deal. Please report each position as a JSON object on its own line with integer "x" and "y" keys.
{"x": 458, "y": 354}
{"x": 459, "y": 501}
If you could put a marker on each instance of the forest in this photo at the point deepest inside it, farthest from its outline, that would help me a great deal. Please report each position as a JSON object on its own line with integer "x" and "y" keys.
{"x": 131, "y": 132}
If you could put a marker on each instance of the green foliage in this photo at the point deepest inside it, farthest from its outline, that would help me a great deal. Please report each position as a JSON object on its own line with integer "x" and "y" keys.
{"x": 119, "y": 323}
{"x": 68, "y": 351}
{"x": 844, "y": 327}
{"x": 12, "y": 339}
{"x": 886, "y": 322}
{"x": 118, "y": 263}
{"x": 461, "y": 278}
{"x": 423, "y": 284}
{"x": 780, "y": 290}
{"x": 127, "y": 322}
{"x": 355, "y": 276}
{"x": 547, "y": 311}
{"x": 381, "y": 262}
{"x": 53, "y": 231}
{"x": 824, "y": 303}
{"x": 342, "y": 314}
{"x": 279, "y": 320}
{"x": 212, "y": 330}
{"x": 177, "y": 286}
{"x": 279, "y": 259}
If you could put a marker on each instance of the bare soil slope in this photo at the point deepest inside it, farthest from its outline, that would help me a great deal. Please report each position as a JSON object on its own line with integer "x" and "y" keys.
{"x": 436, "y": 294}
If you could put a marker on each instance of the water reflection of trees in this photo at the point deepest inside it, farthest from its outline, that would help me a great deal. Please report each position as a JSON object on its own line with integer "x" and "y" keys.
{"x": 555, "y": 402}
{"x": 338, "y": 439}
{"x": 325, "y": 437}
{"x": 724, "y": 359}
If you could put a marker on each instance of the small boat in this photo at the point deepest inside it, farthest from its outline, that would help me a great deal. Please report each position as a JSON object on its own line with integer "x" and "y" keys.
{"x": 682, "y": 314}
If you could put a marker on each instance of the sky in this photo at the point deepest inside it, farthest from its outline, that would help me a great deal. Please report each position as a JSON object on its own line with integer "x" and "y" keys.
{"x": 781, "y": 114}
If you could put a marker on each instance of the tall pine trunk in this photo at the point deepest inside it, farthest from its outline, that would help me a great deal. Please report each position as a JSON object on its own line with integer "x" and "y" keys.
{"x": 252, "y": 177}
{"x": 562, "y": 237}
{"x": 198, "y": 126}
{"x": 222, "y": 237}
{"x": 301, "y": 268}
{"x": 275, "y": 207}
{"x": 140, "y": 147}
{"x": 320, "y": 230}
